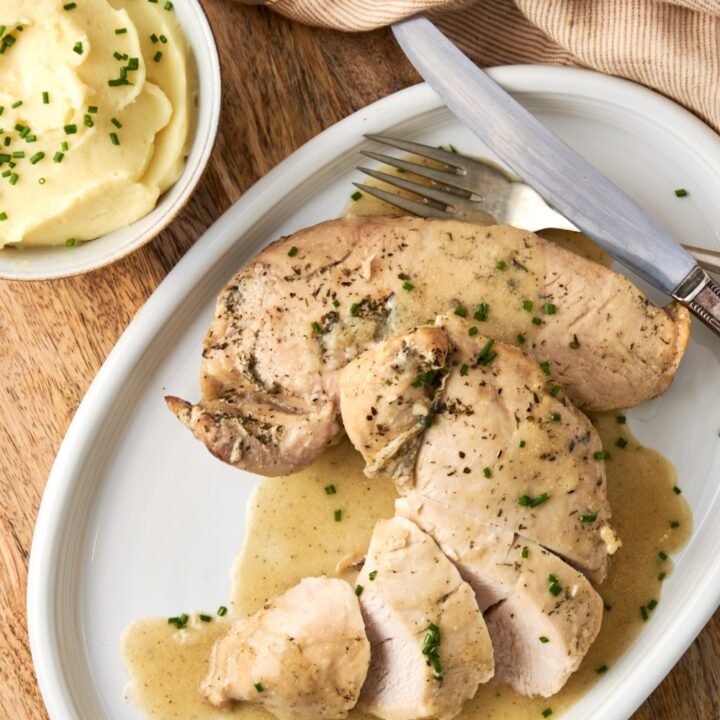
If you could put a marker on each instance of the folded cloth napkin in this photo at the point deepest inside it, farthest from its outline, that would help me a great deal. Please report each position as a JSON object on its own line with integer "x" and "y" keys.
{"x": 672, "y": 47}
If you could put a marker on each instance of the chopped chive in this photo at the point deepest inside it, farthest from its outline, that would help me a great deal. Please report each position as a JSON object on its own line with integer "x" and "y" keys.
{"x": 602, "y": 669}
{"x": 427, "y": 421}
{"x": 662, "y": 555}
{"x": 354, "y": 309}
{"x": 555, "y": 417}
{"x": 520, "y": 338}
{"x": 18, "y": 154}
{"x": 70, "y": 129}
{"x": 92, "y": 109}
{"x": 133, "y": 63}
{"x": 481, "y": 312}
{"x": 358, "y": 590}
{"x": 464, "y": 369}
{"x": 2, "y": 109}
{"x": 14, "y": 178}
{"x": 408, "y": 286}
{"x": 154, "y": 38}
{"x": 16, "y": 104}
{"x": 36, "y": 158}
{"x": 118, "y": 56}
{"x": 674, "y": 524}
{"x": 65, "y": 147}
{"x": 168, "y": 6}
{"x": 620, "y": 419}
{"x": 70, "y": 6}
{"x": 549, "y": 309}
{"x": 123, "y": 73}
{"x": 3, "y": 216}
{"x": 544, "y": 639}
{"x": 501, "y": 265}
{"x": 46, "y": 98}
{"x": 521, "y": 444}
{"x": 644, "y": 613}
{"x": 205, "y": 618}
{"x": 472, "y": 331}
{"x": 621, "y": 443}
{"x": 555, "y": 390}
{"x": 487, "y": 472}
{"x": 545, "y": 367}
{"x": 338, "y": 515}
{"x": 677, "y": 490}
{"x": 31, "y": 139}
{"x": 330, "y": 490}
{"x": 461, "y": 311}
{"x": 681, "y": 192}
{"x": 536, "y": 321}
{"x": 547, "y": 712}
{"x": 259, "y": 687}
{"x": 88, "y": 121}
{"x": 70, "y": 242}
{"x": 222, "y": 610}
{"x": 117, "y": 82}
{"x": 157, "y": 57}
{"x": 163, "y": 39}
{"x": 316, "y": 327}
{"x": 525, "y": 552}
{"x": 114, "y": 139}
{"x": 116, "y": 123}
{"x": 600, "y": 455}
{"x": 78, "y": 48}
{"x": 336, "y": 303}
{"x": 120, "y": 31}
{"x": 293, "y": 251}
{"x": 527, "y": 305}
{"x": 652, "y": 604}
{"x": 554, "y": 586}
{"x": 662, "y": 576}
{"x": 527, "y": 501}
{"x": 372, "y": 574}
{"x": 574, "y": 344}
{"x": 588, "y": 518}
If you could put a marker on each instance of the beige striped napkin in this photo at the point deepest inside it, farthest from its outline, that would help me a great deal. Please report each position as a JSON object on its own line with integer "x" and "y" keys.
{"x": 672, "y": 47}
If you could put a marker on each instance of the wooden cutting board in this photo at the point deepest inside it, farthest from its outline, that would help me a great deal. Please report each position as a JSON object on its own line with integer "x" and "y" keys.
{"x": 282, "y": 84}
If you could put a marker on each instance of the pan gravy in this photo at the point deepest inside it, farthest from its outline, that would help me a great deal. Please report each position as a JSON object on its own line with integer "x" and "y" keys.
{"x": 292, "y": 533}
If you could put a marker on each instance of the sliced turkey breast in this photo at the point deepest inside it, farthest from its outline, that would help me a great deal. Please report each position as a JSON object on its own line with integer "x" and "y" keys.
{"x": 304, "y": 656}
{"x": 502, "y": 442}
{"x": 542, "y": 614}
{"x": 297, "y": 313}
{"x": 430, "y": 647}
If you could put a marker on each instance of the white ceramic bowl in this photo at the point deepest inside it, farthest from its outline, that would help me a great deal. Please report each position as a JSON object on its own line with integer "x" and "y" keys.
{"x": 45, "y": 263}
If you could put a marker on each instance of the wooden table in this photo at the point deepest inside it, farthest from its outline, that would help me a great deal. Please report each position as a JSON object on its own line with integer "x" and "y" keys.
{"x": 283, "y": 83}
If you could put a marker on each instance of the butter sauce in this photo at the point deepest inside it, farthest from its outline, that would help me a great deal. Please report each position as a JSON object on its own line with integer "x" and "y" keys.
{"x": 292, "y": 533}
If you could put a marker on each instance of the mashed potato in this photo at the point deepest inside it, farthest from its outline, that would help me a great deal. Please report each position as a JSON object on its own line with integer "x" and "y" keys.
{"x": 94, "y": 114}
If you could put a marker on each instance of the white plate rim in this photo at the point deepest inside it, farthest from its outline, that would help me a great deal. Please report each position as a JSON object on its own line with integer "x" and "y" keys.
{"x": 311, "y": 157}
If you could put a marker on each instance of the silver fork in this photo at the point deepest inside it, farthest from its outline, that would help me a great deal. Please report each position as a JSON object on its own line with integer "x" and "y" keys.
{"x": 467, "y": 186}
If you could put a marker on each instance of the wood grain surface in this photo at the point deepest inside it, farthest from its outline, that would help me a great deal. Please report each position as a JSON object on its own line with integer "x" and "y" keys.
{"x": 283, "y": 84}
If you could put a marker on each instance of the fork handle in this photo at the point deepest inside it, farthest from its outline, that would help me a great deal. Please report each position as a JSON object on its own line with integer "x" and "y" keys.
{"x": 708, "y": 259}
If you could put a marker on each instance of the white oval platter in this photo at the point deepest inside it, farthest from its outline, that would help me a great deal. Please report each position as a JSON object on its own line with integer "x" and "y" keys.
{"x": 139, "y": 519}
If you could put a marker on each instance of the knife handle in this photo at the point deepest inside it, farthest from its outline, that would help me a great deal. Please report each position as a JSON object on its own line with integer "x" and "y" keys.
{"x": 701, "y": 295}
{"x": 706, "y": 305}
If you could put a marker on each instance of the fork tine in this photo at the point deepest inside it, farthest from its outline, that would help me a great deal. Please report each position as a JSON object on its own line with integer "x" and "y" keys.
{"x": 443, "y": 156}
{"x": 449, "y": 179}
{"x": 451, "y": 201}
{"x": 414, "y": 207}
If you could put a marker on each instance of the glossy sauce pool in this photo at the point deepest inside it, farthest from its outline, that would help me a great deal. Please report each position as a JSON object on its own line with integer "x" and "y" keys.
{"x": 292, "y": 533}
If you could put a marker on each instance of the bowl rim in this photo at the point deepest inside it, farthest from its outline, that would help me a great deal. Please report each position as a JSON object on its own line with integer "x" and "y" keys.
{"x": 188, "y": 184}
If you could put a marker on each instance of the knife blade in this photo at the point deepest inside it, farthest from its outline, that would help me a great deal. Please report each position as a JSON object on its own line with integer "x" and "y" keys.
{"x": 565, "y": 180}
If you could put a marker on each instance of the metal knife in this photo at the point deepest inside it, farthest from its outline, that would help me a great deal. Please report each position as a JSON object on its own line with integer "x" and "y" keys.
{"x": 565, "y": 180}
